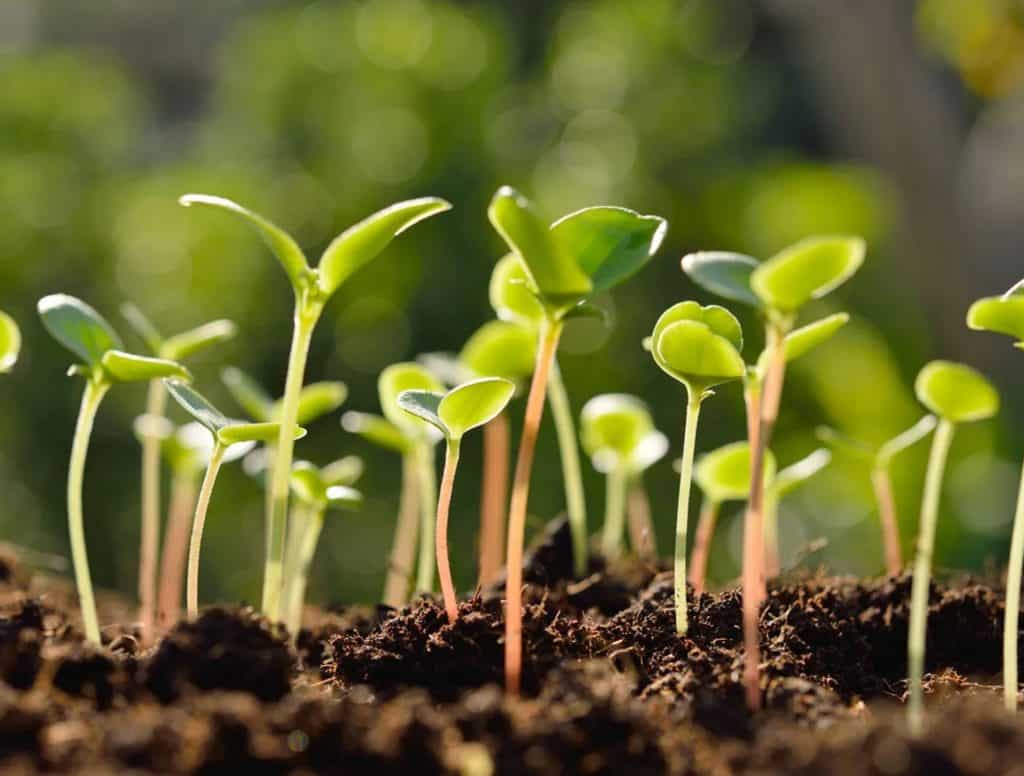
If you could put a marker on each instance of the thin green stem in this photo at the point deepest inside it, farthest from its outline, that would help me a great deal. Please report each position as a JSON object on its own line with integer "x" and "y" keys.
{"x": 572, "y": 473}
{"x": 202, "y": 505}
{"x": 444, "y": 502}
{"x": 922, "y": 572}
{"x": 94, "y": 392}
{"x": 308, "y": 532}
{"x": 614, "y": 513}
{"x": 156, "y": 402}
{"x": 403, "y": 546}
{"x": 426, "y": 479}
{"x": 298, "y": 519}
{"x": 683, "y": 509}
{"x": 1013, "y": 578}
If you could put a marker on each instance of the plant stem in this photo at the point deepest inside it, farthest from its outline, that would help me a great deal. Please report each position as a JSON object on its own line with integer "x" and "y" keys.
{"x": 493, "y": 497}
{"x": 298, "y": 520}
{"x": 882, "y": 485}
{"x": 922, "y": 571}
{"x": 572, "y": 474}
{"x": 614, "y": 513}
{"x": 702, "y": 546}
{"x": 771, "y": 535}
{"x": 641, "y": 527}
{"x": 403, "y": 546}
{"x": 172, "y": 559}
{"x": 156, "y": 403}
{"x": 1012, "y": 615}
{"x": 95, "y": 390}
{"x": 307, "y": 531}
{"x": 426, "y": 478}
{"x": 683, "y": 509}
{"x": 444, "y": 501}
{"x": 306, "y": 316}
{"x": 549, "y": 336}
{"x": 205, "y": 491}
{"x": 268, "y": 496}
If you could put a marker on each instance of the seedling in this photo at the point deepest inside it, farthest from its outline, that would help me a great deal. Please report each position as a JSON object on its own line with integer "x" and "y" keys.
{"x": 777, "y": 487}
{"x": 84, "y": 332}
{"x": 700, "y": 347}
{"x": 880, "y": 461}
{"x": 224, "y": 433}
{"x": 777, "y": 288}
{"x": 956, "y": 394}
{"x": 175, "y": 348}
{"x": 619, "y": 436}
{"x": 454, "y": 413}
{"x": 582, "y": 254}
{"x": 1005, "y": 315}
{"x": 313, "y": 287}
{"x": 10, "y": 343}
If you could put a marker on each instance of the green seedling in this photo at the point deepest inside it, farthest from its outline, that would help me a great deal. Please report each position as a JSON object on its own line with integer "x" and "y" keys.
{"x": 1005, "y": 315}
{"x": 175, "y": 348}
{"x": 776, "y": 488}
{"x": 584, "y": 253}
{"x": 778, "y": 288}
{"x": 313, "y": 287}
{"x": 700, "y": 347}
{"x": 84, "y": 332}
{"x": 461, "y": 409}
{"x": 619, "y": 436}
{"x": 316, "y": 491}
{"x": 880, "y": 460}
{"x": 10, "y": 343}
{"x": 224, "y": 433}
{"x": 722, "y": 475}
{"x": 956, "y": 394}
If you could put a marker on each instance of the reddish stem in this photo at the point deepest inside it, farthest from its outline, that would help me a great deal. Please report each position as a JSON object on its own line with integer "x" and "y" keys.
{"x": 702, "y": 547}
{"x": 493, "y": 498}
{"x": 172, "y": 559}
{"x": 444, "y": 500}
{"x": 641, "y": 526}
{"x": 887, "y": 516}
{"x": 403, "y": 546}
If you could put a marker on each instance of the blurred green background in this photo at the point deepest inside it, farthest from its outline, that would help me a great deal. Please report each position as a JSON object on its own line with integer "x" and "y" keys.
{"x": 746, "y": 123}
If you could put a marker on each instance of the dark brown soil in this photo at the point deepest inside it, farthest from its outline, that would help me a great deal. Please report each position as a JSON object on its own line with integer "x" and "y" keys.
{"x": 609, "y": 687}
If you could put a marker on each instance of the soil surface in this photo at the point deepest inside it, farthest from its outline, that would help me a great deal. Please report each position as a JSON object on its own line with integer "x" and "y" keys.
{"x": 609, "y": 687}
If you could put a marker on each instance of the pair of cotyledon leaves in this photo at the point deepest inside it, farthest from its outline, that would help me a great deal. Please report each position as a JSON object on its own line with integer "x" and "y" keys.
{"x": 178, "y": 346}
{"x": 315, "y": 399}
{"x": 724, "y": 474}
{"x": 461, "y": 409}
{"x": 329, "y": 486}
{"x": 617, "y": 431}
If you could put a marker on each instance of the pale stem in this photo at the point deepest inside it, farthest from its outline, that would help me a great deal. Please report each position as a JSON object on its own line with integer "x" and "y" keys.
{"x": 922, "y": 572}
{"x": 403, "y": 546}
{"x": 771, "y": 535}
{"x": 517, "y": 509}
{"x": 205, "y": 491}
{"x": 175, "y": 549}
{"x": 94, "y": 392}
{"x": 641, "y": 526}
{"x": 572, "y": 473}
{"x": 426, "y": 479}
{"x": 882, "y": 485}
{"x": 308, "y": 530}
{"x": 444, "y": 501}
{"x": 614, "y": 513}
{"x": 493, "y": 498}
{"x": 683, "y": 510}
{"x": 268, "y": 496}
{"x": 156, "y": 403}
{"x": 702, "y": 546}
{"x": 1013, "y": 578}
{"x": 298, "y": 520}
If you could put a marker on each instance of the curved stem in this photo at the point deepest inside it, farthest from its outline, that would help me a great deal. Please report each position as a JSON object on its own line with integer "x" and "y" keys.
{"x": 614, "y": 514}
{"x": 572, "y": 474}
{"x": 94, "y": 392}
{"x": 1013, "y": 579}
{"x": 641, "y": 527}
{"x": 202, "y": 505}
{"x": 702, "y": 546}
{"x": 493, "y": 498}
{"x": 307, "y": 530}
{"x": 444, "y": 501}
{"x": 426, "y": 479}
{"x": 172, "y": 559}
{"x": 549, "y": 336}
{"x": 887, "y": 517}
{"x": 683, "y": 510}
{"x": 922, "y": 572}
{"x": 156, "y": 403}
{"x": 403, "y": 546}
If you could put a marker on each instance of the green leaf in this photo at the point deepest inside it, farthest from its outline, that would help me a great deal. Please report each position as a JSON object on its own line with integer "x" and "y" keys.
{"x": 723, "y": 273}
{"x": 585, "y": 310}
{"x": 254, "y": 432}
{"x": 424, "y": 405}
{"x": 473, "y": 404}
{"x": 612, "y": 427}
{"x": 344, "y": 498}
{"x": 10, "y": 343}
{"x": 806, "y": 270}
{"x": 248, "y": 394}
{"x": 307, "y": 484}
{"x": 375, "y": 429}
{"x": 500, "y": 349}
{"x": 792, "y": 477}
{"x": 183, "y": 345}
{"x": 697, "y": 357}
{"x": 142, "y": 326}
{"x": 127, "y": 367}
{"x": 717, "y": 318}
{"x": 552, "y": 271}
{"x": 363, "y": 242}
{"x": 197, "y": 405}
{"x": 277, "y": 239}
{"x": 652, "y": 448}
{"x": 956, "y": 392}
{"x": 512, "y": 295}
{"x": 315, "y": 401}
{"x": 609, "y": 243}
{"x": 906, "y": 439}
{"x": 78, "y": 327}
{"x": 800, "y": 341}
{"x": 1003, "y": 315}
{"x": 846, "y": 445}
{"x": 724, "y": 474}
{"x": 406, "y": 376}
{"x": 344, "y": 471}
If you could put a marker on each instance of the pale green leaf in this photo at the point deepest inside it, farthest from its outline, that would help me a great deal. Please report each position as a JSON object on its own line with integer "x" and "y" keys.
{"x": 694, "y": 355}
{"x": 956, "y": 392}
{"x": 612, "y": 427}
{"x": 197, "y": 405}
{"x": 424, "y": 405}
{"x": 723, "y": 273}
{"x": 806, "y": 270}
{"x": 799, "y": 341}
{"x": 307, "y": 484}
{"x": 315, "y": 401}
{"x": 375, "y": 429}
{"x": 406, "y": 376}
{"x": 906, "y": 439}
{"x": 717, "y": 318}
{"x": 724, "y": 473}
{"x": 254, "y": 432}
{"x": 512, "y": 295}
{"x": 473, "y": 404}
{"x": 10, "y": 342}
{"x": 78, "y": 327}
{"x": 183, "y": 345}
{"x": 128, "y": 367}
{"x": 1003, "y": 315}
{"x": 344, "y": 498}
{"x": 248, "y": 394}
{"x": 142, "y": 326}
{"x": 500, "y": 349}
{"x": 344, "y": 471}
{"x": 792, "y": 477}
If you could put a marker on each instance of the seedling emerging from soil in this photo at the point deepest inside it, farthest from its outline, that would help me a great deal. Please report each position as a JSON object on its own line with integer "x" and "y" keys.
{"x": 84, "y": 332}
{"x": 176, "y": 348}
{"x": 700, "y": 347}
{"x": 723, "y": 475}
{"x": 454, "y": 413}
{"x": 776, "y": 488}
{"x": 582, "y": 254}
{"x": 10, "y": 343}
{"x": 619, "y": 436}
{"x": 313, "y": 287}
{"x": 957, "y": 394}
{"x": 880, "y": 461}
{"x": 224, "y": 433}
{"x": 1005, "y": 315}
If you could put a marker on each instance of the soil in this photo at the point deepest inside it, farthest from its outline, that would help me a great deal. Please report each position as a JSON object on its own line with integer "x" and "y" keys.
{"x": 609, "y": 687}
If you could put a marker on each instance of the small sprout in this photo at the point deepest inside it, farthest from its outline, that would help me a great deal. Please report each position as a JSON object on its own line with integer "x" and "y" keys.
{"x": 84, "y": 332}
{"x": 957, "y": 394}
{"x": 806, "y": 270}
{"x": 224, "y": 433}
{"x": 10, "y": 343}
{"x": 454, "y": 413}
{"x": 783, "y": 483}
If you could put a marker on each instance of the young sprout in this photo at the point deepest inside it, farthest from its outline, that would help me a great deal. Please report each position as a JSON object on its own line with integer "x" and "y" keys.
{"x": 316, "y": 490}
{"x": 1005, "y": 315}
{"x": 313, "y": 287}
{"x": 722, "y": 475}
{"x": 175, "y": 348}
{"x": 10, "y": 343}
{"x": 778, "y": 288}
{"x": 454, "y": 413}
{"x": 582, "y": 254}
{"x": 783, "y": 483}
{"x": 619, "y": 436}
{"x": 700, "y": 347}
{"x": 224, "y": 433}
{"x": 957, "y": 394}
{"x": 84, "y": 332}
{"x": 880, "y": 461}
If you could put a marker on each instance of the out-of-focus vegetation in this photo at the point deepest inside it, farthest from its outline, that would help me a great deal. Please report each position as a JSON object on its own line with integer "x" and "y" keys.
{"x": 710, "y": 113}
